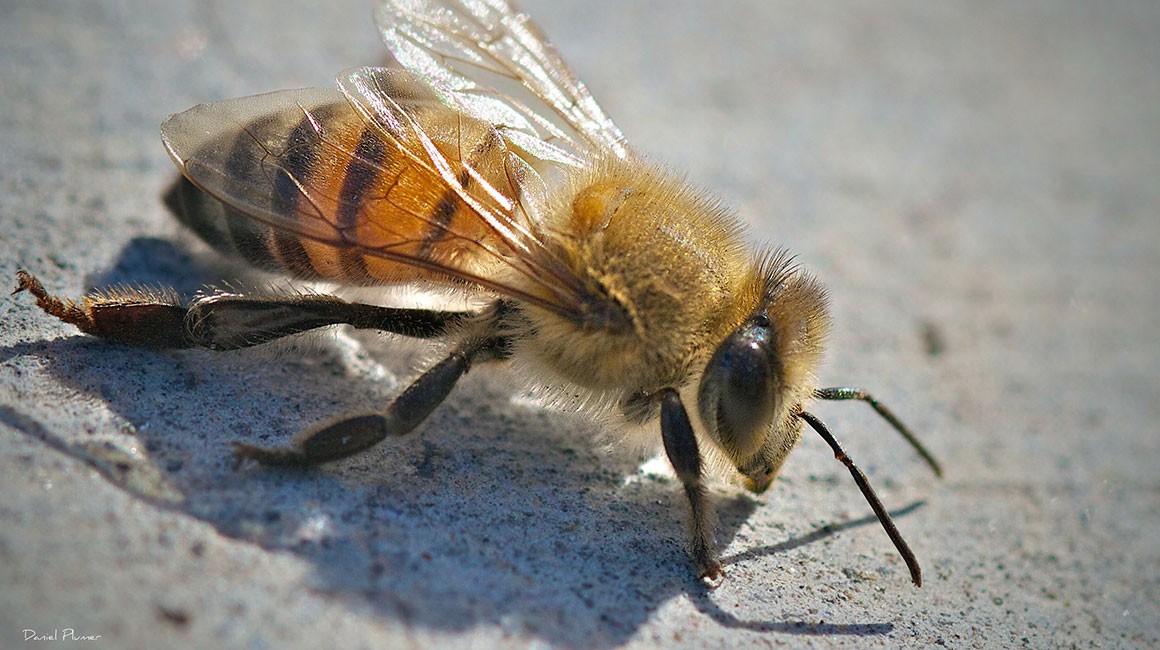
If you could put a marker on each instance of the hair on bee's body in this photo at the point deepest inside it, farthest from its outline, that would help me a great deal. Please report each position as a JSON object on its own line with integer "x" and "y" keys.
{"x": 616, "y": 284}
{"x": 627, "y": 231}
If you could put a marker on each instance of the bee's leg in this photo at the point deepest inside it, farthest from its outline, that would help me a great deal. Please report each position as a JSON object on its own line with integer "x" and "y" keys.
{"x": 139, "y": 317}
{"x": 229, "y": 321}
{"x": 681, "y": 448}
{"x": 351, "y": 436}
{"x": 225, "y": 321}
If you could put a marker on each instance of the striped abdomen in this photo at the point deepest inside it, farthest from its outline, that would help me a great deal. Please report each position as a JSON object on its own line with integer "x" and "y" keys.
{"x": 298, "y": 182}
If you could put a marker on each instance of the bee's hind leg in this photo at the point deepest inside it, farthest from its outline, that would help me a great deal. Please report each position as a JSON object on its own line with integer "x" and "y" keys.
{"x": 353, "y": 435}
{"x": 156, "y": 318}
{"x": 229, "y": 321}
{"x": 142, "y": 317}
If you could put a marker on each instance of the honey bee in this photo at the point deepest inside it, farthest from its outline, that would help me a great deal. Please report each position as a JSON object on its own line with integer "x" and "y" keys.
{"x": 602, "y": 275}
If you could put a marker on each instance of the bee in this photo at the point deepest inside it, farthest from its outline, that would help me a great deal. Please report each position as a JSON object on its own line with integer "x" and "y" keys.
{"x": 600, "y": 273}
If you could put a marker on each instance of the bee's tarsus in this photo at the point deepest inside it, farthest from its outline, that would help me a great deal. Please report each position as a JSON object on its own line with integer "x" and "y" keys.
{"x": 24, "y": 282}
{"x": 713, "y": 577}
{"x": 270, "y": 456}
{"x": 66, "y": 310}
{"x": 140, "y": 317}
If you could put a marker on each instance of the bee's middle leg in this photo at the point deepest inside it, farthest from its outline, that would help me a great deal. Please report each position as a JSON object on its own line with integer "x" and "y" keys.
{"x": 412, "y": 406}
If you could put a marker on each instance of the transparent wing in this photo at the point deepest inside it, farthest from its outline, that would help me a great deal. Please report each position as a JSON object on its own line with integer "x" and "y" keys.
{"x": 449, "y": 43}
{"x": 397, "y": 186}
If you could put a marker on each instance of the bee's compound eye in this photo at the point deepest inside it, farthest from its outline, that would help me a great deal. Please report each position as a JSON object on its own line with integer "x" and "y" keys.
{"x": 739, "y": 391}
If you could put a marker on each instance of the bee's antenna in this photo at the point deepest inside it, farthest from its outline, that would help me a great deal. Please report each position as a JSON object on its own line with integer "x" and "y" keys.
{"x": 871, "y": 497}
{"x": 888, "y": 415}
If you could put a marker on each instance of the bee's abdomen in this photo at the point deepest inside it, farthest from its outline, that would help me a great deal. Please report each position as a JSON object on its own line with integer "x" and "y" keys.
{"x": 235, "y": 234}
{"x": 318, "y": 193}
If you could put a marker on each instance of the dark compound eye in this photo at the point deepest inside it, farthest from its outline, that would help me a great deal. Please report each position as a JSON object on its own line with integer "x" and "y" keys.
{"x": 739, "y": 391}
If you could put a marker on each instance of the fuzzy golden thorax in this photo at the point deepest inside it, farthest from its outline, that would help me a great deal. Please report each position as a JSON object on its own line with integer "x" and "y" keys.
{"x": 668, "y": 265}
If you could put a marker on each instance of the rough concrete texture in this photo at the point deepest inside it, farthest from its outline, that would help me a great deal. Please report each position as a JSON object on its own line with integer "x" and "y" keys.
{"x": 975, "y": 183}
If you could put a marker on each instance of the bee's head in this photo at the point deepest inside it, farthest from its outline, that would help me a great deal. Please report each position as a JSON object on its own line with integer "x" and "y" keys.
{"x": 763, "y": 370}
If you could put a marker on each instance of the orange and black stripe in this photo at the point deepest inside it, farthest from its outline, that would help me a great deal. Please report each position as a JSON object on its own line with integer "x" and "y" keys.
{"x": 360, "y": 183}
{"x": 299, "y": 158}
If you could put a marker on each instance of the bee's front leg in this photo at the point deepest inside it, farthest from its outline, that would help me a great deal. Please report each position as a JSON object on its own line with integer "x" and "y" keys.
{"x": 681, "y": 448}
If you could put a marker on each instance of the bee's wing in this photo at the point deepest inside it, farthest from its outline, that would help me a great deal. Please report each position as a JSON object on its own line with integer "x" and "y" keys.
{"x": 449, "y": 43}
{"x": 379, "y": 183}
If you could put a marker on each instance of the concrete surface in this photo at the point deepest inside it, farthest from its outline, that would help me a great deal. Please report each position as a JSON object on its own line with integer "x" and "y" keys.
{"x": 975, "y": 182}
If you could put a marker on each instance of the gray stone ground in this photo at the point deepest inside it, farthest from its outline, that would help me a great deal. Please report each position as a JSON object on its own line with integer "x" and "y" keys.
{"x": 976, "y": 183}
